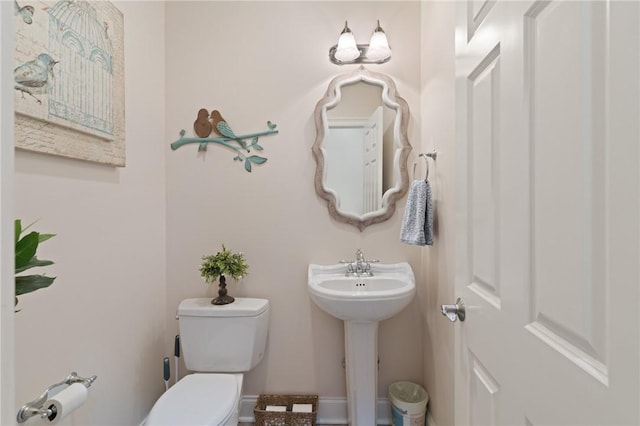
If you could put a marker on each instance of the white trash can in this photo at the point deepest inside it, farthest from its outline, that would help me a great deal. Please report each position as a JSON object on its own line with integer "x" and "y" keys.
{"x": 408, "y": 404}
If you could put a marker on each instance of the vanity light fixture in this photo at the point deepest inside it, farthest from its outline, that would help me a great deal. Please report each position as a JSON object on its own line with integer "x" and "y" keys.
{"x": 348, "y": 52}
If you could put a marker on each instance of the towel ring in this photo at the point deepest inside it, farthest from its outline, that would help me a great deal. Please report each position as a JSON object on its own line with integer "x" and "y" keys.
{"x": 433, "y": 155}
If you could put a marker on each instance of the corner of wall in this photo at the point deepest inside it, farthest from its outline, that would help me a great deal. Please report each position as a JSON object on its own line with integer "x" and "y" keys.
{"x": 437, "y": 98}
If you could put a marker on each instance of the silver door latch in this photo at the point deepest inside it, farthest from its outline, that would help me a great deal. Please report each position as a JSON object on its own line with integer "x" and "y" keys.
{"x": 454, "y": 312}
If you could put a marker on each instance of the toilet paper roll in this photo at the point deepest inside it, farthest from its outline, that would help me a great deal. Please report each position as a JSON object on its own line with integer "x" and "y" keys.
{"x": 66, "y": 401}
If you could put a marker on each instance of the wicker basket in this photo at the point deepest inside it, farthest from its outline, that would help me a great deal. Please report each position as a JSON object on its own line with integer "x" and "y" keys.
{"x": 285, "y": 418}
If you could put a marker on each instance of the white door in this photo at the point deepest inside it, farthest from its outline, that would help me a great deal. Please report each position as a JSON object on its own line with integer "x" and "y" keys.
{"x": 343, "y": 161}
{"x": 372, "y": 162}
{"x": 547, "y": 137}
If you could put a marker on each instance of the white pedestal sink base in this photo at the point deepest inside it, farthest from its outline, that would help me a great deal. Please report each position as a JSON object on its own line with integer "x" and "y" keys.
{"x": 361, "y": 347}
{"x": 361, "y": 302}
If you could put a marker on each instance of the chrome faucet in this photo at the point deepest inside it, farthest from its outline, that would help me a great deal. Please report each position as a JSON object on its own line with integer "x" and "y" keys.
{"x": 360, "y": 267}
{"x": 361, "y": 263}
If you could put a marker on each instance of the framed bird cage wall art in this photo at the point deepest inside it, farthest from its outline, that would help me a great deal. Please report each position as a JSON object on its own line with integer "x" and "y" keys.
{"x": 69, "y": 79}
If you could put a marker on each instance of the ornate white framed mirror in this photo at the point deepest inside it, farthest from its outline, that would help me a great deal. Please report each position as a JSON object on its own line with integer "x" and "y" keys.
{"x": 361, "y": 147}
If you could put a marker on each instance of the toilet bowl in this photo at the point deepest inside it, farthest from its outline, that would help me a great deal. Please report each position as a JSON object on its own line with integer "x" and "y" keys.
{"x": 199, "y": 399}
{"x": 219, "y": 344}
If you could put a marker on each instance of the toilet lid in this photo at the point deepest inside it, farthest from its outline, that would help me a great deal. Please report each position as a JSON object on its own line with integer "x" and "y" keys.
{"x": 197, "y": 399}
{"x": 242, "y": 307}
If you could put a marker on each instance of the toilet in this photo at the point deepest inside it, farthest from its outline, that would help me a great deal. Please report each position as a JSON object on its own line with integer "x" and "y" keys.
{"x": 219, "y": 344}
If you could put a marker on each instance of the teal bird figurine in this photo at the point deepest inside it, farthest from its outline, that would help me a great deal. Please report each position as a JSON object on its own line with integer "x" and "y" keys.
{"x": 223, "y": 129}
{"x": 33, "y": 76}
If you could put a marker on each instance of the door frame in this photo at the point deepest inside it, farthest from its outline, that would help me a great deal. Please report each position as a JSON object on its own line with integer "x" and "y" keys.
{"x": 7, "y": 292}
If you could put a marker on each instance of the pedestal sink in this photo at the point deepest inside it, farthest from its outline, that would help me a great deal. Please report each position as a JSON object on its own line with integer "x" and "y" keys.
{"x": 361, "y": 301}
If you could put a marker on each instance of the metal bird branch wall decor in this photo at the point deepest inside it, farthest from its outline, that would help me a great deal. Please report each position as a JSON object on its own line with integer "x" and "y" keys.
{"x": 205, "y": 124}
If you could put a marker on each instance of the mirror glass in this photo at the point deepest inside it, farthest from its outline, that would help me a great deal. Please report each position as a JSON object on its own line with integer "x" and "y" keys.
{"x": 361, "y": 147}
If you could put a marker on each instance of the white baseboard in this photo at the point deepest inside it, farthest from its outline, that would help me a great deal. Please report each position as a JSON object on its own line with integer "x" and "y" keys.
{"x": 331, "y": 411}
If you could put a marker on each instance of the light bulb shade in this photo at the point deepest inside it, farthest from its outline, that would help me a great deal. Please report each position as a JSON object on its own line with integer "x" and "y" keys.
{"x": 378, "y": 46}
{"x": 347, "y": 49}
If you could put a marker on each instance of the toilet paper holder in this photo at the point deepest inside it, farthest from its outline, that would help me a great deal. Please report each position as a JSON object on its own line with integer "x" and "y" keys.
{"x": 36, "y": 407}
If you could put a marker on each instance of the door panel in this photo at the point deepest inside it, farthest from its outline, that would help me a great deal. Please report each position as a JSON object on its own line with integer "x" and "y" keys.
{"x": 567, "y": 241}
{"x": 483, "y": 146}
{"x": 372, "y": 162}
{"x": 485, "y": 394}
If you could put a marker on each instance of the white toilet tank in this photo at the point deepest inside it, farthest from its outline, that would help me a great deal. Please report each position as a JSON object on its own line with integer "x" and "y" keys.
{"x": 223, "y": 338}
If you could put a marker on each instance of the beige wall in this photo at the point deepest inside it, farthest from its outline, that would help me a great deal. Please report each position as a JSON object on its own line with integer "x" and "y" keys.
{"x": 259, "y": 61}
{"x": 105, "y": 313}
{"x": 130, "y": 240}
{"x": 437, "y": 116}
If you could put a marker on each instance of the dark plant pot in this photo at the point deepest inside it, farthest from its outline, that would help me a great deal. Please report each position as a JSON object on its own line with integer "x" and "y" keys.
{"x": 223, "y": 298}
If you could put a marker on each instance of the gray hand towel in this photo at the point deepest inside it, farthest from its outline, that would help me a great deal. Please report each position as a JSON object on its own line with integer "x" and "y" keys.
{"x": 417, "y": 225}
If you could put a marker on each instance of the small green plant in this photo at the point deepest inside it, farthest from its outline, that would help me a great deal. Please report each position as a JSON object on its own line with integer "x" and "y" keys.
{"x": 26, "y": 248}
{"x": 225, "y": 263}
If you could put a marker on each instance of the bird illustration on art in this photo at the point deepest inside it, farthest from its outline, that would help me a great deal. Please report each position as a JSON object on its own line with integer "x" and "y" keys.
{"x": 33, "y": 76}
{"x": 26, "y": 12}
{"x": 222, "y": 128}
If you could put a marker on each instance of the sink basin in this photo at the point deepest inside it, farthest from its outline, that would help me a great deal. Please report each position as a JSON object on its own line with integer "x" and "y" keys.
{"x": 363, "y": 298}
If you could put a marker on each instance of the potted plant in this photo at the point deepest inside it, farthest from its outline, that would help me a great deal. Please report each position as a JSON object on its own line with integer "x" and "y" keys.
{"x": 25, "y": 254}
{"x": 224, "y": 264}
